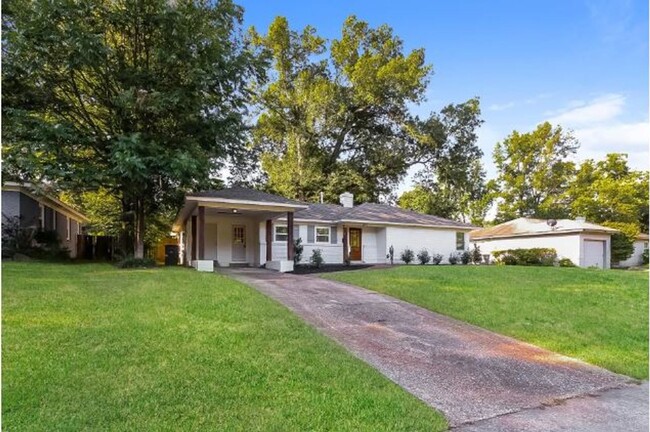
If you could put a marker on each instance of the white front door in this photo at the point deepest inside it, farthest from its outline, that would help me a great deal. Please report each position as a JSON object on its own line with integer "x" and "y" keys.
{"x": 594, "y": 253}
{"x": 238, "y": 243}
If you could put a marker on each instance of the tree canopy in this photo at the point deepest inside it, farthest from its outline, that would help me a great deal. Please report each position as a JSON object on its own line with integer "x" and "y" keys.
{"x": 144, "y": 98}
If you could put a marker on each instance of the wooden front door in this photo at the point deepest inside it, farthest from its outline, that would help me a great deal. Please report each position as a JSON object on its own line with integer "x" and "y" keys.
{"x": 238, "y": 243}
{"x": 355, "y": 244}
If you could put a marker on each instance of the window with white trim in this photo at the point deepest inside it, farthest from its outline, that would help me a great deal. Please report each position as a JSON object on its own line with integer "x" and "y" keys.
{"x": 68, "y": 229}
{"x": 281, "y": 233}
{"x": 322, "y": 234}
{"x": 460, "y": 241}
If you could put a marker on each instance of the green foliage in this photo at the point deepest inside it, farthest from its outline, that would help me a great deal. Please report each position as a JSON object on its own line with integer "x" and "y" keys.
{"x": 16, "y": 238}
{"x": 527, "y": 257}
{"x": 534, "y": 171}
{"x": 645, "y": 256}
{"x": 145, "y": 99}
{"x": 131, "y": 262}
{"x": 454, "y": 258}
{"x": 298, "y": 248}
{"x": 102, "y": 208}
{"x": 424, "y": 257}
{"x": 622, "y": 243}
{"x": 436, "y": 259}
{"x": 407, "y": 256}
{"x": 565, "y": 262}
{"x": 476, "y": 256}
{"x": 391, "y": 254}
{"x": 465, "y": 257}
{"x": 316, "y": 258}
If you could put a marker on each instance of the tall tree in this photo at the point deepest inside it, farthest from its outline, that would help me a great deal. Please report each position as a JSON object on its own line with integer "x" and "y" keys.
{"x": 608, "y": 192}
{"x": 534, "y": 172}
{"x": 144, "y": 98}
{"x": 452, "y": 181}
{"x": 335, "y": 115}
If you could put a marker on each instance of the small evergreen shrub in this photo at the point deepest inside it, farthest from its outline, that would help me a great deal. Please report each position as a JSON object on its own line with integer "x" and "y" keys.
{"x": 391, "y": 254}
{"x": 407, "y": 256}
{"x": 453, "y": 258}
{"x": 424, "y": 257}
{"x": 527, "y": 257}
{"x": 436, "y": 259}
{"x": 644, "y": 256}
{"x": 317, "y": 259}
{"x": 476, "y": 255}
{"x": 297, "y": 250}
{"x": 565, "y": 262}
{"x": 465, "y": 257}
{"x": 131, "y": 262}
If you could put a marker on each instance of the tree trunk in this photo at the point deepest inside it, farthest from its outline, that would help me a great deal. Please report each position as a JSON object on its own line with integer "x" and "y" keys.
{"x": 138, "y": 244}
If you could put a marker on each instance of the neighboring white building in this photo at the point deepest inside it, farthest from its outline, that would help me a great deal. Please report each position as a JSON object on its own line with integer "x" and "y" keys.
{"x": 585, "y": 244}
{"x": 640, "y": 244}
{"x": 239, "y": 226}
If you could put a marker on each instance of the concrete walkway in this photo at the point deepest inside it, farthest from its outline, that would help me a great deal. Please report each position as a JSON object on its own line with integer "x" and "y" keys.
{"x": 480, "y": 380}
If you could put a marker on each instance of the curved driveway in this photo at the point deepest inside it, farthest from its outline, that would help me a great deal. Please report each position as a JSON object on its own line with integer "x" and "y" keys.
{"x": 479, "y": 379}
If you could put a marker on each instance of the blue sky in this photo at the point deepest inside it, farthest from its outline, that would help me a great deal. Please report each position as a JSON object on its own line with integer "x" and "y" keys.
{"x": 582, "y": 64}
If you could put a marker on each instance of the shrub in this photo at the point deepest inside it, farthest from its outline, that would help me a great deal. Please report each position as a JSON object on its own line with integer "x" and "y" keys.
{"x": 297, "y": 250}
{"x": 453, "y": 258}
{"x": 424, "y": 257}
{"x": 565, "y": 262}
{"x": 407, "y": 256}
{"x": 436, "y": 259}
{"x": 476, "y": 255}
{"x": 644, "y": 256}
{"x": 316, "y": 259}
{"x": 391, "y": 254}
{"x": 16, "y": 239}
{"x": 465, "y": 257}
{"x": 526, "y": 257}
{"x": 131, "y": 262}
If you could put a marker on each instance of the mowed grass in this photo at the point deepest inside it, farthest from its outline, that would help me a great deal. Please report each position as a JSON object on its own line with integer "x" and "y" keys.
{"x": 89, "y": 347}
{"x": 598, "y": 316}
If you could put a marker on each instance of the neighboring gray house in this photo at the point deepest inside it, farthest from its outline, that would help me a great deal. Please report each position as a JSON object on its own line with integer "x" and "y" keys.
{"x": 239, "y": 226}
{"x": 42, "y": 212}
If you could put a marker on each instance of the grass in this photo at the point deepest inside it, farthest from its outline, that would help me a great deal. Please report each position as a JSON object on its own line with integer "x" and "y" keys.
{"x": 598, "y": 316}
{"x": 90, "y": 347}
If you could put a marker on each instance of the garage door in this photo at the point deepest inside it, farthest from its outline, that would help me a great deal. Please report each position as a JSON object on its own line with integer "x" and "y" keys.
{"x": 594, "y": 253}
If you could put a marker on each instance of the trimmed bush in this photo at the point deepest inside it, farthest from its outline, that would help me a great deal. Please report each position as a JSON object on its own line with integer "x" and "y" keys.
{"x": 297, "y": 250}
{"x": 527, "y": 257}
{"x": 391, "y": 254}
{"x": 644, "y": 256}
{"x": 316, "y": 259}
{"x": 407, "y": 256}
{"x": 424, "y": 257}
{"x": 565, "y": 262}
{"x": 453, "y": 258}
{"x": 131, "y": 262}
{"x": 436, "y": 259}
{"x": 476, "y": 255}
{"x": 465, "y": 257}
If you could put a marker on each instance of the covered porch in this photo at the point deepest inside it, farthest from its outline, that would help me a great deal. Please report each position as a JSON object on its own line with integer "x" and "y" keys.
{"x": 235, "y": 227}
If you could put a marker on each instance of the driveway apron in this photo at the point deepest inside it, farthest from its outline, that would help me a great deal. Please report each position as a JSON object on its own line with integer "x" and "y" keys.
{"x": 479, "y": 379}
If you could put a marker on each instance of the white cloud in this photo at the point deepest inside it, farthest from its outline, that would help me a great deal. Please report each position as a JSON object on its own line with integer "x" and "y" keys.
{"x": 598, "y": 126}
{"x": 578, "y": 113}
{"x": 501, "y": 107}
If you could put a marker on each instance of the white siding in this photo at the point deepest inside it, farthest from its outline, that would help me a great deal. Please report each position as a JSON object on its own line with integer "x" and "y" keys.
{"x": 636, "y": 259}
{"x": 566, "y": 246}
{"x": 436, "y": 241}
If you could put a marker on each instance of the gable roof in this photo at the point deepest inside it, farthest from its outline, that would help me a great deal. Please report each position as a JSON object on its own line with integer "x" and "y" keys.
{"x": 535, "y": 227}
{"x": 48, "y": 199}
{"x": 238, "y": 193}
{"x": 376, "y": 214}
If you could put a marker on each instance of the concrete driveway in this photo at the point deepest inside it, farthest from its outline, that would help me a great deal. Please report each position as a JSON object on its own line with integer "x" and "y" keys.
{"x": 480, "y": 380}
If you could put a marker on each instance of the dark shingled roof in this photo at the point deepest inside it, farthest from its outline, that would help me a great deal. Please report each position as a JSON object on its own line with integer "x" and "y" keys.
{"x": 374, "y": 213}
{"x": 245, "y": 194}
{"x": 325, "y": 212}
{"x": 384, "y": 213}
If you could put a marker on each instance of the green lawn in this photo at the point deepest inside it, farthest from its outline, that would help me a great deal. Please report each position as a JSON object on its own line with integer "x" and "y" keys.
{"x": 89, "y": 347}
{"x": 598, "y": 316}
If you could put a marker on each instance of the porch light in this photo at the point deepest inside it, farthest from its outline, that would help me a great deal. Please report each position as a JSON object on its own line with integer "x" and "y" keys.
{"x": 234, "y": 210}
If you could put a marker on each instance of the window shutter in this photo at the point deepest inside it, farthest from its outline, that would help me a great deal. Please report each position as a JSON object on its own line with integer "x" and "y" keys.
{"x": 310, "y": 234}
{"x": 296, "y": 232}
{"x": 333, "y": 238}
